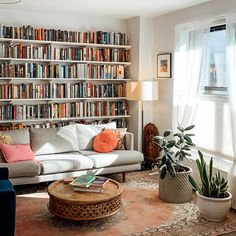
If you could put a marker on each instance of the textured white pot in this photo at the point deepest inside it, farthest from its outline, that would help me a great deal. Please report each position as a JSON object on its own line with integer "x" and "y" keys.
{"x": 213, "y": 209}
{"x": 176, "y": 189}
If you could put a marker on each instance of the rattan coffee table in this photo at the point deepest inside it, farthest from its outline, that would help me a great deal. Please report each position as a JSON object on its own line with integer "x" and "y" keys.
{"x": 66, "y": 203}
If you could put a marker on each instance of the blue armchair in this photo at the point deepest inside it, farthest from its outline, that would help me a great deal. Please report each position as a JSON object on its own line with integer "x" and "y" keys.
{"x": 7, "y": 204}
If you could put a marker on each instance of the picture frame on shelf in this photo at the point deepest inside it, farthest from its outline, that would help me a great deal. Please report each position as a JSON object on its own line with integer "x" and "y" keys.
{"x": 164, "y": 65}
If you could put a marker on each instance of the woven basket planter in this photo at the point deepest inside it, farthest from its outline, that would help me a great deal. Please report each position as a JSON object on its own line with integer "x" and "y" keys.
{"x": 176, "y": 189}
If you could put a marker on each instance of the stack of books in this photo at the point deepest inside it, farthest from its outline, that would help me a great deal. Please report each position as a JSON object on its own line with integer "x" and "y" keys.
{"x": 90, "y": 183}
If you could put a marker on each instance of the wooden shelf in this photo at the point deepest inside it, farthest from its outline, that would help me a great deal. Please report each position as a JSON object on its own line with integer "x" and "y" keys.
{"x": 61, "y": 79}
{"x": 64, "y": 119}
{"x": 20, "y": 60}
{"x": 66, "y": 44}
{"x": 60, "y": 100}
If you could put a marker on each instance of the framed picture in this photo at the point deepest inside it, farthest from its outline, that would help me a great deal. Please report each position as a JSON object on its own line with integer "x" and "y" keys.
{"x": 164, "y": 65}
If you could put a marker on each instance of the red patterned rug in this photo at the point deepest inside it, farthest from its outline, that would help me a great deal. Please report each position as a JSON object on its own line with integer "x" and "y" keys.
{"x": 142, "y": 214}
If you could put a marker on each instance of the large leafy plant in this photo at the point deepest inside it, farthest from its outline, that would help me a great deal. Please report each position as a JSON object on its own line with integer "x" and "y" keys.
{"x": 215, "y": 187}
{"x": 174, "y": 150}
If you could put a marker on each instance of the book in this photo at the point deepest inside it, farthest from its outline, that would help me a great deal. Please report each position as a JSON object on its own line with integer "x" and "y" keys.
{"x": 68, "y": 180}
{"x": 81, "y": 189}
{"x": 83, "y": 180}
{"x": 100, "y": 182}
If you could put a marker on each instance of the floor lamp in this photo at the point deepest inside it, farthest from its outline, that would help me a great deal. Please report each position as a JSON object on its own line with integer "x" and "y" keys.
{"x": 142, "y": 90}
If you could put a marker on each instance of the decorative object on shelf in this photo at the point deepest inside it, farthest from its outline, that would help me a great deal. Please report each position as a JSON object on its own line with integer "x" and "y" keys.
{"x": 150, "y": 150}
{"x": 213, "y": 198}
{"x": 164, "y": 65}
{"x": 174, "y": 185}
{"x": 144, "y": 91}
{"x": 50, "y": 76}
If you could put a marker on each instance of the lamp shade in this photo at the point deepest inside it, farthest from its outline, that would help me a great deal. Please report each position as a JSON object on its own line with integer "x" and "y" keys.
{"x": 143, "y": 90}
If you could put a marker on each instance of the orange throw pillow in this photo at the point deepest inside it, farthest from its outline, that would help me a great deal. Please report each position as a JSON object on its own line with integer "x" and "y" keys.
{"x": 106, "y": 141}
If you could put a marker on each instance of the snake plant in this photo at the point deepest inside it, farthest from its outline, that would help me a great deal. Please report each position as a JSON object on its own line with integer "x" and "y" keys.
{"x": 214, "y": 187}
{"x": 174, "y": 150}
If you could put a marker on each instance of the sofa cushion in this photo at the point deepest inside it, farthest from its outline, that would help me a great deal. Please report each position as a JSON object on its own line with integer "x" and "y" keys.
{"x": 54, "y": 140}
{"x": 87, "y": 133}
{"x": 115, "y": 158}
{"x": 63, "y": 162}
{"x": 18, "y": 136}
{"x": 29, "y": 168}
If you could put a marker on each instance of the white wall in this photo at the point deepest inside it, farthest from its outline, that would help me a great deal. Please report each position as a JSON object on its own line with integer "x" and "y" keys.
{"x": 141, "y": 31}
{"x": 164, "y": 42}
{"x": 60, "y": 21}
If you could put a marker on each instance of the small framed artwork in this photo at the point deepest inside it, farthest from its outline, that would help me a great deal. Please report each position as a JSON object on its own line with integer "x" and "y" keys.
{"x": 164, "y": 65}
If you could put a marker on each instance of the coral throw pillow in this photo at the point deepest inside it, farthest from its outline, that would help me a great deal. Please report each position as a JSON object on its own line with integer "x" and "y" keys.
{"x": 17, "y": 152}
{"x": 106, "y": 141}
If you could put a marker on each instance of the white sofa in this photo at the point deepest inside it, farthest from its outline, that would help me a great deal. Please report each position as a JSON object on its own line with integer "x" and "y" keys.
{"x": 66, "y": 152}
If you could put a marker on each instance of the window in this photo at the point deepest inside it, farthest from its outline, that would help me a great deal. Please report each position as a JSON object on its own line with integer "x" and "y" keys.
{"x": 216, "y": 81}
{"x": 212, "y": 119}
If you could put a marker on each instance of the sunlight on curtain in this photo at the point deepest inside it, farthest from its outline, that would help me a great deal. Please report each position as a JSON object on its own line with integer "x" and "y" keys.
{"x": 191, "y": 60}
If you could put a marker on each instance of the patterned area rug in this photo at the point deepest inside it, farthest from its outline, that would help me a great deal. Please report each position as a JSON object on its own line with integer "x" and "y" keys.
{"x": 142, "y": 214}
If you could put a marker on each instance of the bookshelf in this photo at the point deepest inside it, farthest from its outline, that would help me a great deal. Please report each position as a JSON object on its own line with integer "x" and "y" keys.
{"x": 51, "y": 77}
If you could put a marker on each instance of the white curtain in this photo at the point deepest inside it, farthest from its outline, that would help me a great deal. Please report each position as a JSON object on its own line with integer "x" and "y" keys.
{"x": 191, "y": 60}
{"x": 231, "y": 74}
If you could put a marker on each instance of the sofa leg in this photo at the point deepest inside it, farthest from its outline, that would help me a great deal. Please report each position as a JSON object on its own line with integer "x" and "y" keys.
{"x": 123, "y": 177}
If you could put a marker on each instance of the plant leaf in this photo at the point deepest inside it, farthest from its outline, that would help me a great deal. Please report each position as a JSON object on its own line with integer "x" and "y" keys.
{"x": 187, "y": 138}
{"x": 171, "y": 143}
{"x": 189, "y": 127}
{"x": 163, "y": 172}
{"x": 194, "y": 184}
{"x": 210, "y": 169}
{"x": 167, "y": 133}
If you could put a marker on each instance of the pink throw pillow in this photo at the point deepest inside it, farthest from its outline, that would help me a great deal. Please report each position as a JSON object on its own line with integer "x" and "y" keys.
{"x": 17, "y": 152}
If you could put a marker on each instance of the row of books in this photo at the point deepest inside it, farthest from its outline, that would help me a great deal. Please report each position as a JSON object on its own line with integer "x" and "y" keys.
{"x": 65, "y": 90}
{"x": 63, "y": 110}
{"x": 50, "y": 52}
{"x": 120, "y": 123}
{"x": 89, "y": 183}
{"x": 34, "y": 70}
{"x": 31, "y": 33}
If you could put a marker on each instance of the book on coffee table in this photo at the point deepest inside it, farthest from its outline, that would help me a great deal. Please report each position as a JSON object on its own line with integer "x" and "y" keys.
{"x": 83, "y": 180}
{"x": 91, "y": 190}
{"x": 100, "y": 182}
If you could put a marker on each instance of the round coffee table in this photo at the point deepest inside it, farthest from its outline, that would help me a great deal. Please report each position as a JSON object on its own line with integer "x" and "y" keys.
{"x": 67, "y": 203}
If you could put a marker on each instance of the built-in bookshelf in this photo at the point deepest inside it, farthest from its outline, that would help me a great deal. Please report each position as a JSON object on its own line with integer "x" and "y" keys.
{"x": 52, "y": 77}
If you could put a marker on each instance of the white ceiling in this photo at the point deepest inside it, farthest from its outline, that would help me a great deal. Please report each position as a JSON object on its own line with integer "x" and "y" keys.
{"x": 119, "y": 9}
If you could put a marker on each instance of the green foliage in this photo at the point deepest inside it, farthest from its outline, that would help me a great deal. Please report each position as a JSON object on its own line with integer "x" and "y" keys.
{"x": 174, "y": 150}
{"x": 215, "y": 187}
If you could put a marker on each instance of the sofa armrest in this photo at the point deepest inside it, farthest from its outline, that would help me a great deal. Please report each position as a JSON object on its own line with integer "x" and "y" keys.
{"x": 129, "y": 141}
{"x": 4, "y": 173}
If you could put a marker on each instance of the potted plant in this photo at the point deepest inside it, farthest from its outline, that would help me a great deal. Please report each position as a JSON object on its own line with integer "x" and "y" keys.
{"x": 213, "y": 197}
{"x": 174, "y": 185}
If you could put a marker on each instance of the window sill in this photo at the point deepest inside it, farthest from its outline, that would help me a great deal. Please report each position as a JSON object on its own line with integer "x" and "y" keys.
{"x": 218, "y": 162}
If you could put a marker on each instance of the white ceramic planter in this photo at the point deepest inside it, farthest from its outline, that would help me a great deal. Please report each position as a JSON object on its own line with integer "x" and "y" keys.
{"x": 213, "y": 209}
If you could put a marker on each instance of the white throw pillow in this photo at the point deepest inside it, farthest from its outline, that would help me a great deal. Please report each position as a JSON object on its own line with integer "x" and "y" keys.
{"x": 54, "y": 140}
{"x": 87, "y": 133}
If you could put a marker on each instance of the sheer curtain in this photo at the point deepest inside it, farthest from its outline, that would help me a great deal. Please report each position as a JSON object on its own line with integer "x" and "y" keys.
{"x": 231, "y": 74}
{"x": 191, "y": 60}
